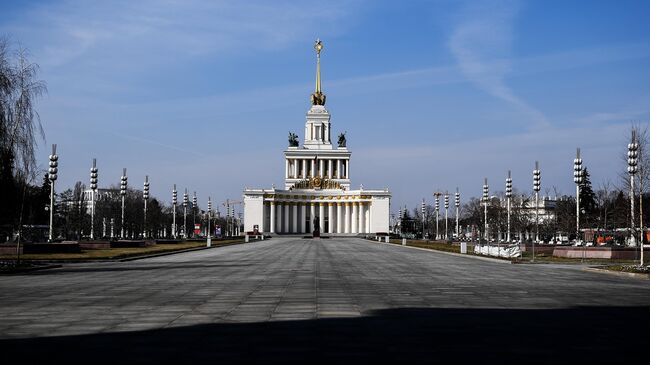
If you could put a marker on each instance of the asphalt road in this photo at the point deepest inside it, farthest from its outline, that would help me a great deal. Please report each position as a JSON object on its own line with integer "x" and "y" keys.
{"x": 344, "y": 300}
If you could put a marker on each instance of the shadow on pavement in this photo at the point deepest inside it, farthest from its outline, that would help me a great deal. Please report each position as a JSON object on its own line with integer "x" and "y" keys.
{"x": 576, "y": 335}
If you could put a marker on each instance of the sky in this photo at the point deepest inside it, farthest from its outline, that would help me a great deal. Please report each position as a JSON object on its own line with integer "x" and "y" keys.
{"x": 433, "y": 95}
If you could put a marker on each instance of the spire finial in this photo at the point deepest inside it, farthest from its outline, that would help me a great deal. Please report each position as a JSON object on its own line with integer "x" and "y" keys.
{"x": 318, "y": 98}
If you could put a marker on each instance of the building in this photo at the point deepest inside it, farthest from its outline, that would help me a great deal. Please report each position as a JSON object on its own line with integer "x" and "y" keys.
{"x": 316, "y": 192}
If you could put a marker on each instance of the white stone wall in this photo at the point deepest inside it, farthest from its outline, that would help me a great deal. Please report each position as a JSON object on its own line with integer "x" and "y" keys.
{"x": 253, "y": 212}
{"x": 380, "y": 214}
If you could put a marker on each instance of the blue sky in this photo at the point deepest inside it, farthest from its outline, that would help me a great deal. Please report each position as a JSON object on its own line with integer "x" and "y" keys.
{"x": 432, "y": 94}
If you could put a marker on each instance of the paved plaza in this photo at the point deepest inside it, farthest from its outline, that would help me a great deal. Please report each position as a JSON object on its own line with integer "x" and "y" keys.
{"x": 343, "y": 299}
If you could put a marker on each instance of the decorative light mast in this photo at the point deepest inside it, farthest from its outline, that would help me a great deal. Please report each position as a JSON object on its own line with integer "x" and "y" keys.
{"x": 446, "y": 216}
{"x": 123, "y": 185}
{"x": 537, "y": 185}
{"x": 194, "y": 204}
{"x": 185, "y": 201}
{"x": 632, "y": 160}
{"x": 437, "y": 206}
{"x": 93, "y": 190}
{"x": 486, "y": 197}
{"x": 578, "y": 178}
{"x": 423, "y": 209}
{"x": 174, "y": 203}
{"x": 508, "y": 198}
{"x": 209, "y": 234}
{"x": 52, "y": 176}
{"x": 145, "y": 196}
{"x": 457, "y": 204}
{"x": 399, "y": 216}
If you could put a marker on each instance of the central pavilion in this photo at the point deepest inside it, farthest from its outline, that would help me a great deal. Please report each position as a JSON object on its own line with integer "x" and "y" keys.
{"x": 316, "y": 190}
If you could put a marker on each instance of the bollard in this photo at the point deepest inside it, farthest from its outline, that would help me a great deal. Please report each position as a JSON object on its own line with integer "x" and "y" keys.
{"x": 403, "y": 241}
{"x": 262, "y": 237}
{"x": 209, "y": 243}
{"x": 387, "y": 239}
{"x": 246, "y": 239}
{"x": 463, "y": 247}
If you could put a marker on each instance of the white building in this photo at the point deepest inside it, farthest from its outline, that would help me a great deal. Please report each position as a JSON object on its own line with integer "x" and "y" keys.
{"x": 317, "y": 191}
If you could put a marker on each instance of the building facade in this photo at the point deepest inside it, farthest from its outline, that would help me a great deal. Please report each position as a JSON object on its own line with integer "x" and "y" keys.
{"x": 317, "y": 194}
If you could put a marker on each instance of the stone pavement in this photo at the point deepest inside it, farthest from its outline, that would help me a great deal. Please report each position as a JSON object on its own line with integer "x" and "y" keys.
{"x": 347, "y": 298}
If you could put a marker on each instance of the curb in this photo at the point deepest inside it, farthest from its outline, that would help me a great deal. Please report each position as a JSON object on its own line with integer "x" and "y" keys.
{"x": 30, "y": 269}
{"x": 126, "y": 259}
{"x": 455, "y": 254}
{"x": 617, "y": 273}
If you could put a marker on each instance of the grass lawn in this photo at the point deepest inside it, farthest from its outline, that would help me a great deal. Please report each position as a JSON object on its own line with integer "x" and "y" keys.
{"x": 118, "y": 253}
{"x": 545, "y": 258}
{"x": 432, "y": 245}
{"x": 629, "y": 268}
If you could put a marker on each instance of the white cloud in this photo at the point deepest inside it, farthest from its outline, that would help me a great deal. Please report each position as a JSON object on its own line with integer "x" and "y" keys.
{"x": 481, "y": 42}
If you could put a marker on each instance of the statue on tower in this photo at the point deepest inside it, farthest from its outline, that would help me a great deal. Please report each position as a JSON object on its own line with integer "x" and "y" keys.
{"x": 318, "y": 98}
{"x": 293, "y": 139}
{"x": 342, "y": 140}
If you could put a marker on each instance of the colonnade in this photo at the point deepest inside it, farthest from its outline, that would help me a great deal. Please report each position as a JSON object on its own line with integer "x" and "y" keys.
{"x": 334, "y": 217}
{"x": 336, "y": 168}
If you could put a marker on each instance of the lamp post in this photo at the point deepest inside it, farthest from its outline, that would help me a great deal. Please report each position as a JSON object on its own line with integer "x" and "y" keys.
{"x": 578, "y": 179}
{"x": 174, "y": 203}
{"x": 53, "y": 174}
{"x": 145, "y": 196}
{"x": 194, "y": 204}
{"x": 486, "y": 191}
{"x": 446, "y": 216}
{"x": 399, "y": 216}
{"x": 457, "y": 204}
{"x": 437, "y": 195}
{"x": 93, "y": 189}
{"x": 537, "y": 185}
{"x": 209, "y": 234}
{"x": 185, "y": 201}
{"x": 508, "y": 197}
{"x": 123, "y": 185}
{"x": 423, "y": 211}
{"x": 632, "y": 159}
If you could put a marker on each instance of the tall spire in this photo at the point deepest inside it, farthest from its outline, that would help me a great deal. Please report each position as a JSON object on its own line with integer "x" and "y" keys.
{"x": 318, "y": 98}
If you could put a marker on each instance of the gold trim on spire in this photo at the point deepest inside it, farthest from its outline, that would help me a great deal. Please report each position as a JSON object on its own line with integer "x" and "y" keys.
{"x": 318, "y": 98}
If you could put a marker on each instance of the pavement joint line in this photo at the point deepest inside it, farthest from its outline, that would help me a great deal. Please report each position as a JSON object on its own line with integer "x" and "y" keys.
{"x": 126, "y": 259}
{"x": 617, "y": 273}
{"x": 452, "y": 253}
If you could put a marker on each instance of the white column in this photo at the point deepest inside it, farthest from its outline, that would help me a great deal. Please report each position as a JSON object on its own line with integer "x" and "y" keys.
{"x": 313, "y": 168}
{"x": 312, "y": 207}
{"x": 329, "y": 168}
{"x": 294, "y": 228}
{"x": 278, "y": 217}
{"x": 368, "y": 218}
{"x": 321, "y": 216}
{"x": 362, "y": 217}
{"x": 347, "y": 169}
{"x": 286, "y": 168}
{"x": 355, "y": 217}
{"x": 339, "y": 216}
{"x": 304, "y": 168}
{"x": 272, "y": 227}
{"x": 321, "y": 163}
{"x": 303, "y": 214}
{"x": 285, "y": 218}
{"x": 330, "y": 216}
{"x": 338, "y": 169}
{"x": 346, "y": 217}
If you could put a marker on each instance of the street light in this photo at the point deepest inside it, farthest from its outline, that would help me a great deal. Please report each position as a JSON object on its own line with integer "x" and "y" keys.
{"x": 145, "y": 196}
{"x": 632, "y": 159}
{"x": 123, "y": 185}
{"x": 209, "y": 241}
{"x": 194, "y": 203}
{"x": 174, "y": 202}
{"x": 508, "y": 197}
{"x": 537, "y": 185}
{"x": 486, "y": 191}
{"x": 446, "y": 216}
{"x": 399, "y": 216}
{"x": 578, "y": 178}
{"x": 54, "y": 158}
{"x": 185, "y": 201}
{"x": 93, "y": 189}
{"x": 437, "y": 195}
{"x": 457, "y": 204}
{"x": 423, "y": 210}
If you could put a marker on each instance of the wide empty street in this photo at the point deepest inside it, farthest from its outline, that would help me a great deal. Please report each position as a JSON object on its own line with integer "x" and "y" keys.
{"x": 286, "y": 298}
